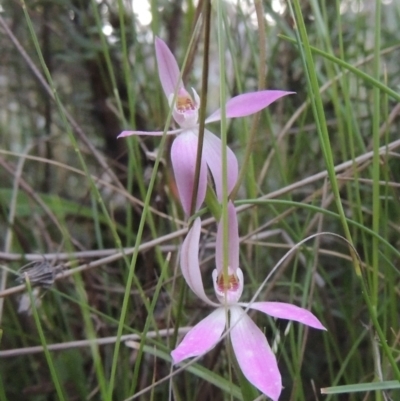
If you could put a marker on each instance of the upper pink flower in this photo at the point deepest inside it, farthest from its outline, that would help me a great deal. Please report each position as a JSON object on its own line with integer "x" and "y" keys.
{"x": 185, "y": 113}
{"x": 253, "y": 353}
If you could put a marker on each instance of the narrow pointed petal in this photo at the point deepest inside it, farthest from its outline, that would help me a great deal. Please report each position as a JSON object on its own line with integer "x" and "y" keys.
{"x": 190, "y": 261}
{"x": 247, "y": 104}
{"x": 202, "y": 338}
{"x": 254, "y": 355}
{"x": 233, "y": 241}
{"x": 183, "y": 158}
{"x": 150, "y": 133}
{"x": 212, "y": 153}
{"x": 168, "y": 69}
{"x": 282, "y": 310}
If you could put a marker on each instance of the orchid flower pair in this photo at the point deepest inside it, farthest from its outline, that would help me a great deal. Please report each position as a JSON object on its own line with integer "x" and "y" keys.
{"x": 253, "y": 353}
{"x": 185, "y": 111}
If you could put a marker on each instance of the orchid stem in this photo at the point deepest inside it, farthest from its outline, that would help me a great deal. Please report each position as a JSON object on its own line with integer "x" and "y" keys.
{"x": 203, "y": 104}
{"x": 224, "y": 216}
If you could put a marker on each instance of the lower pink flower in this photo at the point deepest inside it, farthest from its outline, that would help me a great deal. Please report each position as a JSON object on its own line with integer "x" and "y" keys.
{"x": 253, "y": 353}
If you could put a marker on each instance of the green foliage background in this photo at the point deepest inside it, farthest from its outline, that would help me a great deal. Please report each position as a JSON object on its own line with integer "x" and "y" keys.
{"x": 73, "y": 198}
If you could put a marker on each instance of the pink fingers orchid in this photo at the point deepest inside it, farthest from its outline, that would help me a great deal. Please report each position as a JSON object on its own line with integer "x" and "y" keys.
{"x": 185, "y": 111}
{"x": 253, "y": 353}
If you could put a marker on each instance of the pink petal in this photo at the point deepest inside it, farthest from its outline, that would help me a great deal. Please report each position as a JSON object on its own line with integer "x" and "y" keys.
{"x": 150, "y": 133}
{"x": 190, "y": 261}
{"x": 283, "y": 310}
{"x": 183, "y": 158}
{"x": 168, "y": 69}
{"x": 212, "y": 153}
{"x": 202, "y": 338}
{"x": 233, "y": 241}
{"x": 247, "y": 104}
{"x": 254, "y": 355}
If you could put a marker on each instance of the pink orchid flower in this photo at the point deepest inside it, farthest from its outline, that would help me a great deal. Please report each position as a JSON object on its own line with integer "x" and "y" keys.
{"x": 253, "y": 353}
{"x": 185, "y": 111}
